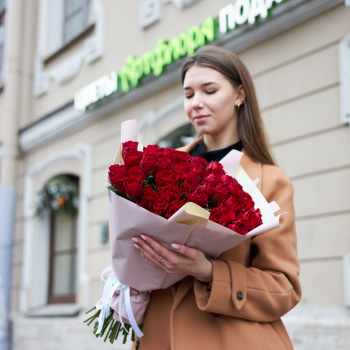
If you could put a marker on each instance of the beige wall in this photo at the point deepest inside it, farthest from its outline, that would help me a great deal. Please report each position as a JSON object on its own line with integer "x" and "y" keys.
{"x": 297, "y": 79}
{"x": 296, "y": 75}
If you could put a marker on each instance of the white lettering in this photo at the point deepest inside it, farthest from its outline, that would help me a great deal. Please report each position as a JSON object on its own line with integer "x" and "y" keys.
{"x": 257, "y": 8}
{"x": 227, "y": 19}
{"x": 97, "y": 90}
{"x": 242, "y": 9}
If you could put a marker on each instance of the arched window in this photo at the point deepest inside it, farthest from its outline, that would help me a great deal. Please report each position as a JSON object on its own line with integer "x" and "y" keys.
{"x": 60, "y": 197}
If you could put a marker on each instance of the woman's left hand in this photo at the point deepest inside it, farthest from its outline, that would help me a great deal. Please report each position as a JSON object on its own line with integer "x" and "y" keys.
{"x": 184, "y": 260}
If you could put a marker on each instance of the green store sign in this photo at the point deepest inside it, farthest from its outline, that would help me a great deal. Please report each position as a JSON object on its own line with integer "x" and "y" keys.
{"x": 166, "y": 52}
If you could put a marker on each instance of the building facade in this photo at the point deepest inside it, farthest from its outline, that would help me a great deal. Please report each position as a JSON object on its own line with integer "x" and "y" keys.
{"x": 72, "y": 71}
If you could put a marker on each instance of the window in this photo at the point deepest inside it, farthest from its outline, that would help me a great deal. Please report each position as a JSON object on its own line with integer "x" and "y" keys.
{"x": 67, "y": 20}
{"x": 62, "y": 196}
{"x": 77, "y": 18}
{"x": 2, "y": 38}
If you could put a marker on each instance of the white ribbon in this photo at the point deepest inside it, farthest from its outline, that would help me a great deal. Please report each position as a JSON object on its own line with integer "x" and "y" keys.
{"x": 111, "y": 285}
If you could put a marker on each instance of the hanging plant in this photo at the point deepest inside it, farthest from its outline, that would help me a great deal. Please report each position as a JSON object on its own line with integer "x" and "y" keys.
{"x": 59, "y": 194}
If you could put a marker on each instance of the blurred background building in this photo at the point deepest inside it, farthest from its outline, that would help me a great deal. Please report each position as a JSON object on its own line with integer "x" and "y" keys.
{"x": 72, "y": 70}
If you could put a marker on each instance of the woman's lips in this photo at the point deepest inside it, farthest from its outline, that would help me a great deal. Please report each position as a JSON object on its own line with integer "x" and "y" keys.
{"x": 200, "y": 118}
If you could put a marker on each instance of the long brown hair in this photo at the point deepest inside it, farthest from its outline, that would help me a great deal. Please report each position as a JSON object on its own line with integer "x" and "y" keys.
{"x": 250, "y": 124}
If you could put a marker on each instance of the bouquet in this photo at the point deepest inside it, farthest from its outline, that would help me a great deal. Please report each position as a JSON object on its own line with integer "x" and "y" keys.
{"x": 162, "y": 180}
{"x": 172, "y": 197}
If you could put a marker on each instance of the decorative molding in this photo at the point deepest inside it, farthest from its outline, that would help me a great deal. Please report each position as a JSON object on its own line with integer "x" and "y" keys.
{"x": 68, "y": 68}
{"x": 80, "y": 151}
{"x": 180, "y": 4}
{"x": 344, "y": 75}
{"x": 149, "y": 12}
{"x": 66, "y": 120}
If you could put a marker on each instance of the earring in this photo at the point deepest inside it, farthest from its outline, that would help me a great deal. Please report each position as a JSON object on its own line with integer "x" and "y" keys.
{"x": 238, "y": 105}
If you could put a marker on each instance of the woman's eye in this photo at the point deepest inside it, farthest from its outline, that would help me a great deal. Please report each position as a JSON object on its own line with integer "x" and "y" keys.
{"x": 210, "y": 92}
{"x": 189, "y": 96}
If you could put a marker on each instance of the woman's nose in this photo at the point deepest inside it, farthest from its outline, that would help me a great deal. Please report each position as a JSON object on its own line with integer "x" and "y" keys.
{"x": 197, "y": 102}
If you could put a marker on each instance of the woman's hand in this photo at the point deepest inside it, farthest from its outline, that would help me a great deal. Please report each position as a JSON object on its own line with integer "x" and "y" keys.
{"x": 184, "y": 260}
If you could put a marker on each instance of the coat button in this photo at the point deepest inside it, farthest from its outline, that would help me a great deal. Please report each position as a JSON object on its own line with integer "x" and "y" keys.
{"x": 239, "y": 295}
{"x": 216, "y": 315}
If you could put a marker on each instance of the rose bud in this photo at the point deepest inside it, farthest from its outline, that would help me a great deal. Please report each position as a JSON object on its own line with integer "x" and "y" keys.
{"x": 166, "y": 177}
{"x": 163, "y": 164}
{"x": 208, "y": 188}
{"x": 160, "y": 204}
{"x": 200, "y": 162}
{"x": 148, "y": 195}
{"x": 174, "y": 206}
{"x": 133, "y": 186}
{"x": 219, "y": 216}
{"x": 129, "y": 145}
{"x": 117, "y": 176}
{"x": 173, "y": 191}
{"x": 149, "y": 165}
{"x": 240, "y": 227}
{"x": 189, "y": 184}
{"x": 221, "y": 193}
{"x": 197, "y": 196}
{"x": 196, "y": 171}
{"x": 135, "y": 170}
{"x": 132, "y": 158}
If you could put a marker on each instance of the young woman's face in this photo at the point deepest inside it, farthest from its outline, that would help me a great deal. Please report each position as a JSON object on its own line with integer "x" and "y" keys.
{"x": 210, "y": 100}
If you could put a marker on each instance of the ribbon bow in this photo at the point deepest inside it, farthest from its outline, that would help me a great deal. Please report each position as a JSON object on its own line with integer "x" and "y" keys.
{"x": 111, "y": 285}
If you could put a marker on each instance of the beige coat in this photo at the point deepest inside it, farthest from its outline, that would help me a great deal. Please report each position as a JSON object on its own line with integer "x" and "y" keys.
{"x": 253, "y": 285}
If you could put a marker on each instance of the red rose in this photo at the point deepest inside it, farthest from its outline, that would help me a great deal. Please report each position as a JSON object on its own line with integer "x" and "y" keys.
{"x": 189, "y": 184}
{"x": 219, "y": 216}
{"x": 152, "y": 151}
{"x": 181, "y": 169}
{"x": 200, "y": 162}
{"x": 246, "y": 202}
{"x": 174, "y": 206}
{"x": 166, "y": 177}
{"x": 221, "y": 193}
{"x": 208, "y": 188}
{"x": 163, "y": 164}
{"x": 173, "y": 191}
{"x": 231, "y": 203}
{"x": 117, "y": 176}
{"x": 197, "y": 196}
{"x": 214, "y": 168}
{"x": 240, "y": 227}
{"x": 148, "y": 195}
{"x": 196, "y": 171}
{"x": 132, "y": 158}
{"x": 234, "y": 187}
{"x": 214, "y": 178}
{"x": 160, "y": 204}
{"x": 254, "y": 218}
{"x": 135, "y": 170}
{"x": 129, "y": 145}
{"x": 149, "y": 164}
{"x": 180, "y": 156}
{"x": 133, "y": 186}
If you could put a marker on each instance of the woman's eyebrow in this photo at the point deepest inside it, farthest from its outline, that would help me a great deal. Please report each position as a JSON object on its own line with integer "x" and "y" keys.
{"x": 205, "y": 84}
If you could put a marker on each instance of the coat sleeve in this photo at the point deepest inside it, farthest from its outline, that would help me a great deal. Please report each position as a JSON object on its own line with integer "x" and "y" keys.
{"x": 269, "y": 287}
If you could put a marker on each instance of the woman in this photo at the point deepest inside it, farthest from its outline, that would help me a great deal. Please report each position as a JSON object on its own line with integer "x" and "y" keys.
{"x": 235, "y": 301}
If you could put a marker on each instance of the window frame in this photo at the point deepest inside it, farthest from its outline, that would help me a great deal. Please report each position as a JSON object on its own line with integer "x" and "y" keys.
{"x": 86, "y": 24}
{"x": 68, "y": 298}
